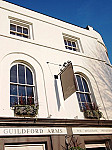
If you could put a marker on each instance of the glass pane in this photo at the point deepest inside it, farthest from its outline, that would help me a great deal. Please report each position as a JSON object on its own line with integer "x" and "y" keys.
{"x": 79, "y": 83}
{"x": 78, "y": 96}
{"x": 13, "y": 100}
{"x": 74, "y": 49}
{"x": 22, "y": 100}
{"x": 13, "y": 89}
{"x": 29, "y": 76}
{"x": 69, "y": 43}
{"x": 73, "y": 44}
{"x": 19, "y": 34}
{"x": 30, "y": 91}
{"x": 25, "y": 30}
{"x": 21, "y": 90}
{"x": 30, "y": 101}
{"x": 19, "y": 29}
{"x": 13, "y": 74}
{"x": 65, "y": 42}
{"x": 12, "y": 33}
{"x": 70, "y": 48}
{"x": 90, "y": 105}
{"x": 82, "y": 97}
{"x": 83, "y": 106}
{"x": 80, "y": 107}
{"x": 88, "y": 98}
{"x": 12, "y": 27}
{"x": 25, "y": 36}
{"x": 21, "y": 73}
{"x": 66, "y": 47}
{"x": 85, "y": 85}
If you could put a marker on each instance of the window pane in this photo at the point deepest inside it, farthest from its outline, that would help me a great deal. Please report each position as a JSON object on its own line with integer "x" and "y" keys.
{"x": 88, "y": 98}
{"x": 69, "y": 43}
{"x": 66, "y": 47}
{"x": 25, "y": 30}
{"x": 12, "y": 27}
{"x": 70, "y": 48}
{"x": 30, "y": 101}
{"x": 79, "y": 83}
{"x": 19, "y": 29}
{"x": 12, "y": 33}
{"x": 80, "y": 105}
{"x": 85, "y": 85}
{"x": 25, "y": 36}
{"x": 83, "y": 106}
{"x": 73, "y": 44}
{"x": 82, "y": 97}
{"x": 13, "y": 74}
{"x": 13, "y": 89}
{"x": 65, "y": 42}
{"x": 29, "y": 77}
{"x": 78, "y": 96}
{"x": 22, "y": 100}
{"x": 30, "y": 91}
{"x": 21, "y": 72}
{"x": 21, "y": 90}
{"x": 19, "y": 34}
{"x": 74, "y": 49}
{"x": 13, "y": 100}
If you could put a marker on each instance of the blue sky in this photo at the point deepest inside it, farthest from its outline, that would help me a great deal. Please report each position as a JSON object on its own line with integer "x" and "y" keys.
{"x": 96, "y": 13}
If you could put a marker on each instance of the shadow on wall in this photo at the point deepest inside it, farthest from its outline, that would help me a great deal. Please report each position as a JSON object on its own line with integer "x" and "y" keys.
{"x": 103, "y": 77}
{"x": 57, "y": 94}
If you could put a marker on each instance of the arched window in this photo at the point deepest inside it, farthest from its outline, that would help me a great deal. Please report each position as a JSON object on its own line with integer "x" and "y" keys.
{"x": 83, "y": 93}
{"x": 21, "y": 85}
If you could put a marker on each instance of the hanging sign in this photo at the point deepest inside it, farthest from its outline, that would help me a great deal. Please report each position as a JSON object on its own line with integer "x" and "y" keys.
{"x": 68, "y": 81}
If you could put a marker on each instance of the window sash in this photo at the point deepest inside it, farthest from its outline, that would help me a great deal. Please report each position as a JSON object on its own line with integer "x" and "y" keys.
{"x": 86, "y": 95}
{"x": 16, "y": 32}
{"x": 71, "y": 44}
{"x": 27, "y": 87}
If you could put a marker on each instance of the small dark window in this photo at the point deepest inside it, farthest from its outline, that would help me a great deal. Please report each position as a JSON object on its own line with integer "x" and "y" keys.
{"x": 25, "y": 30}
{"x": 71, "y": 44}
{"x": 19, "y": 30}
{"x": 12, "y": 27}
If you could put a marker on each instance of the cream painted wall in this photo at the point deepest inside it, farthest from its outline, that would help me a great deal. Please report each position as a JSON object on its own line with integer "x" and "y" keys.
{"x": 47, "y": 45}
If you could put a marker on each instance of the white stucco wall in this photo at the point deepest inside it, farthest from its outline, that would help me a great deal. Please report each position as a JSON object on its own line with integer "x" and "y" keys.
{"x": 47, "y": 45}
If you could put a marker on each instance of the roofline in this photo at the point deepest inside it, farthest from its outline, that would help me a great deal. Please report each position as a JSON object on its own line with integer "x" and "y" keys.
{"x": 46, "y": 15}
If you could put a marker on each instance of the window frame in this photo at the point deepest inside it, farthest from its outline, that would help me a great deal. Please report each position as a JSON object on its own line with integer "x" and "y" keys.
{"x": 20, "y": 34}
{"x": 23, "y": 24}
{"x": 25, "y": 85}
{"x": 72, "y": 39}
{"x": 83, "y": 92}
{"x": 71, "y": 47}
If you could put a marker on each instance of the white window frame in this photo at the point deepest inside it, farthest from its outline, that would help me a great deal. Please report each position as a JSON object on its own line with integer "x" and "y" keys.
{"x": 19, "y": 33}
{"x": 76, "y": 40}
{"x": 23, "y": 24}
{"x": 34, "y": 86}
{"x": 83, "y": 92}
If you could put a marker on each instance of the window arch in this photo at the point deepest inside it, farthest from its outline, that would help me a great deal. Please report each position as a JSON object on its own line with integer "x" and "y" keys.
{"x": 83, "y": 92}
{"x": 21, "y": 85}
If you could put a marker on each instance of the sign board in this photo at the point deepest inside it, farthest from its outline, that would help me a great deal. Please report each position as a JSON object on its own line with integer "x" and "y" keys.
{"x": 32, "y": 131}
{"x": 92, "y": 130}
{"x": 68, "y": 81}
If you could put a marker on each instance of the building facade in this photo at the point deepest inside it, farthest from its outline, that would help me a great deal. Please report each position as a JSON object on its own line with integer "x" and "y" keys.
{"x": 55, "y": 83}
